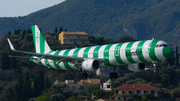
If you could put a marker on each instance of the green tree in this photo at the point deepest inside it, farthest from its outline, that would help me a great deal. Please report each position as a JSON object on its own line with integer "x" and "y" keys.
{"x": 130, "y": 81}
{"x": 16, "y": 32}
{"x": 72, "y": 98}
{"x": 8, "y": 93}
{"x": 36, "y": 87}
{"x": 29, "y": 31}
{"x": 156, "y": 79}
{"x": 136, "y": 97}
{"x": 175, "y": 93}
{"x": 91, "y": 39}
{"x": 18, "y": 89}
{"x": 100, "y": 40}
{"x": 57, "y": 97}
{"x": 9, "y": 33}
{"x": 28, "y": 37}
{"x": 99, "y": 93}
{"x": 103, "y": 79}
{"x": 55, "y": 31}
{"x": 47, "y": 83}
{"x": 5, "y": 61}
{"x": 115, "y": 84}
{"x": 60, "y": 29}
{"x": 42, "y": 98}
{"x": 23, "y": 33}
{"x": 139, "y": 80}
{"x": 26, "y": 90}
{"x": 65, "y": 29}
{"x": 129, "y": 99}
{"x": 91, "y": 88}
{"x": 13, "y": 63}
{"x": 41, "y": 81}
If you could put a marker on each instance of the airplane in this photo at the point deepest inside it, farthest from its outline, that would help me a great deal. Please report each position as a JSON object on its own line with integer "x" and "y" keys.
{"x": 134, "y": 54}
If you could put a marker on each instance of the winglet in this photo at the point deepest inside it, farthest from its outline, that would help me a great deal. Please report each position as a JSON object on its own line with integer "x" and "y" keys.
{"x": 10, "y": 44}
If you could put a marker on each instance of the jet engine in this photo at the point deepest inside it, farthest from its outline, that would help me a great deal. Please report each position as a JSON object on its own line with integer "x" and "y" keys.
{"x": 137, "y": 67}
{"x": 90, "y": 65}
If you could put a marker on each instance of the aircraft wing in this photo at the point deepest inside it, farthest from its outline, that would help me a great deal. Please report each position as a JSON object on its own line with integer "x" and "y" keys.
{"x": 53, "y": 57}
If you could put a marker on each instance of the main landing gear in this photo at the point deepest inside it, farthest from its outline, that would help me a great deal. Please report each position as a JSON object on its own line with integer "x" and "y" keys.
{"x": 113, "y": 75}
{"x": 83, "y": 75}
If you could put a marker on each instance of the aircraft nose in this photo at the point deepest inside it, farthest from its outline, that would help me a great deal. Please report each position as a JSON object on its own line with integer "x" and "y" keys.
{"x": 168, "y": 52}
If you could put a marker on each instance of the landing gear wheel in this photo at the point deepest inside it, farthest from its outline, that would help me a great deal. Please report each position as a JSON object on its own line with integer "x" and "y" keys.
{"x": 83, "y": 75}
{"x": 113, "y": 75}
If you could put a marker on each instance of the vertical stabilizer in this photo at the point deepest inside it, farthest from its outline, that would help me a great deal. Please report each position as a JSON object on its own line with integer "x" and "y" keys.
{"x": 40, "y": 43}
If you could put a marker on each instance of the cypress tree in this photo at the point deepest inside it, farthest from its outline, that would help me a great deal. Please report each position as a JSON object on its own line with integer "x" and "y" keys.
{"x": 23, "y": 33}
{"x": 18, "y": 31}
{"x": 5, "y": 61}
{"x": 26, "y": 90}
{"x": 36, "y": 87}
{"x": 47, "y": 83}
{"x": 13, "y": 63}
{"x": 20, "y": 83}
{"x": 41, "y": 81}
{"x": 55, "y": 30}
{"x": 65, "y": 29}
{"x": 60, "y": 29}
{"x": 15, "y": 32}
{"x": 29, "y": 31}
{"x": 17, "y": 92}
{"x": 9, "y": 33}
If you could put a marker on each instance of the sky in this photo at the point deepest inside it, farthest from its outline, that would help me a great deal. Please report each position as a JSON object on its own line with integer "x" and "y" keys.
{"x": 15, "y": 8}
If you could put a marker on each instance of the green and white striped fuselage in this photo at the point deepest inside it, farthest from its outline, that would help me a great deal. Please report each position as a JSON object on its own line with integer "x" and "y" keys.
{"x": 114, "y": 54}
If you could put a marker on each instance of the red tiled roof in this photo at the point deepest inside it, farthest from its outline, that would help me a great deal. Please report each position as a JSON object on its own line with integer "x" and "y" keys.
{"x": 142, "y": 86}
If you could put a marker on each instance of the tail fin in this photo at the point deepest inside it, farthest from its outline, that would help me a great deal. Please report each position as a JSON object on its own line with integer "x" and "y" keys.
{"x": 40, "y": 43}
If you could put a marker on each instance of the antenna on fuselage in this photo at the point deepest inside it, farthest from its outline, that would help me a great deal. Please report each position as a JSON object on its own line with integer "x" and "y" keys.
{"x": 152, "y": 38}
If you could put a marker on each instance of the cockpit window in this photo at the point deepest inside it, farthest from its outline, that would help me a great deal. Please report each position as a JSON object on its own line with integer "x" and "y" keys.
{"x": 165, "y": 45}
{"x": 161, "y": 45}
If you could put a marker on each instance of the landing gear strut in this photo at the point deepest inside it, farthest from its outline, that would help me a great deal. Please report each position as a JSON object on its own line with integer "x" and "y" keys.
{"x": 83, "y": 75}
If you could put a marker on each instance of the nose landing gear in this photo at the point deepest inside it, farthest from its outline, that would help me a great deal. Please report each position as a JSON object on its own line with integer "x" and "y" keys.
{"x": 155, "y": 64}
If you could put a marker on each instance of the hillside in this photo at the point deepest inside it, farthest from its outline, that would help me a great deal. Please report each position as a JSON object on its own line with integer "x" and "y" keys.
{"x": 142, "y": 19}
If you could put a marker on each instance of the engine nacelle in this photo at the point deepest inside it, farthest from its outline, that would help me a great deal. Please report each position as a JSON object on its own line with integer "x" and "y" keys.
{"x": 90, "y": 65}
{"x": 137, "y": 67}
